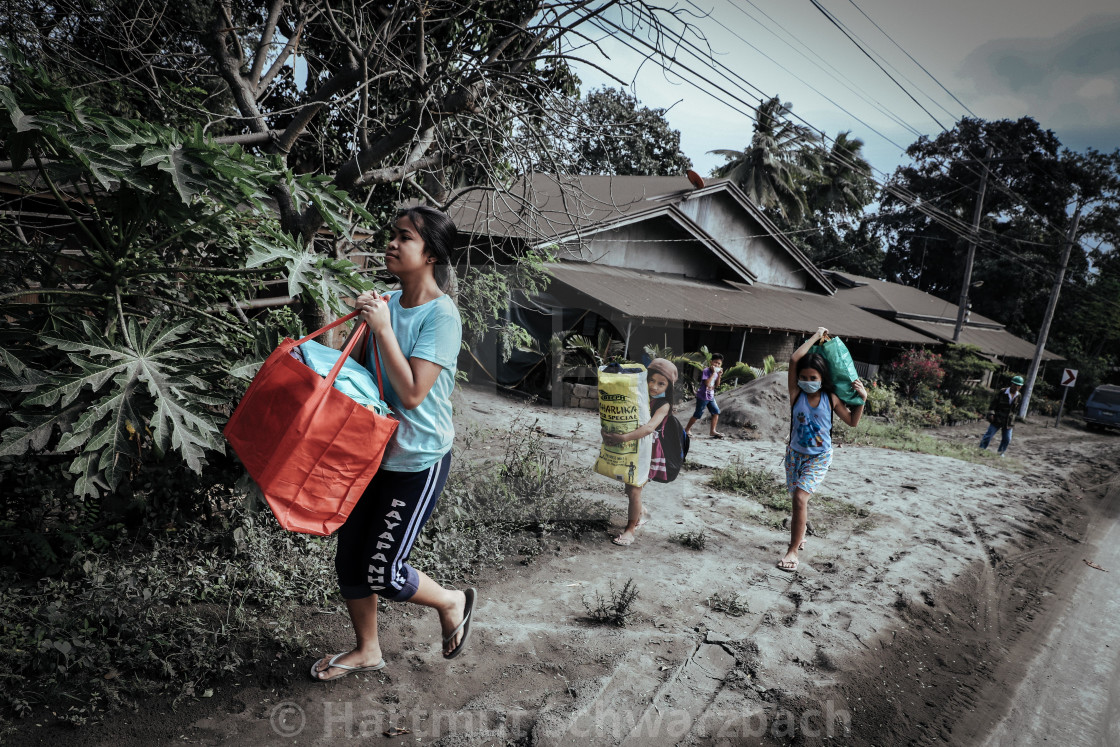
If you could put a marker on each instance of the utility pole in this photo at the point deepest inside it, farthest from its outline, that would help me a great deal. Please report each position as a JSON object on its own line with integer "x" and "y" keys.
{"x": 1044, "y": 331}
{"x": 972, "y": 247}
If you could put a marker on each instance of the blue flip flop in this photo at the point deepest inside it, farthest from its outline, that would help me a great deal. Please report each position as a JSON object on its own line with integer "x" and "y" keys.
{"x": 464, "y": 626}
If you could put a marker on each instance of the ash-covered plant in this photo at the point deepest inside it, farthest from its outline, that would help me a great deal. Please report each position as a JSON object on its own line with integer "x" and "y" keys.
{"x": 491, "y": 509}
{"x": 693, "y": 540}
{"x": 126, "y": 623}
{"x": 760, "y": 484}
{"x": 614, "y": 609}
{"x": 126, "y": 346}
{"x": 729, "y": 603}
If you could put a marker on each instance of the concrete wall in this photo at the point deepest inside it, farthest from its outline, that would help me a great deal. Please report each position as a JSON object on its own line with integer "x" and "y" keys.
{"x": 726, "y": 220}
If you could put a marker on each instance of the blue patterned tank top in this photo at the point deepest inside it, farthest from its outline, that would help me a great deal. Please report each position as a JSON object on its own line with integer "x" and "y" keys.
{"x": 811, "y": 432}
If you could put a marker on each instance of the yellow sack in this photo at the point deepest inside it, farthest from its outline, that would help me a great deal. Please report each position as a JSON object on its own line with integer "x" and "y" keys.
{"x": 623, "y": 407}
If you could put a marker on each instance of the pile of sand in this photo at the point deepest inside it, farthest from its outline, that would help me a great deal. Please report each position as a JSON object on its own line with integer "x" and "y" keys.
{"x": 762, "y": 405}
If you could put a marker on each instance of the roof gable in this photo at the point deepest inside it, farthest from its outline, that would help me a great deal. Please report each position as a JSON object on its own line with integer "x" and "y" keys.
{"x": 545, "y": 208}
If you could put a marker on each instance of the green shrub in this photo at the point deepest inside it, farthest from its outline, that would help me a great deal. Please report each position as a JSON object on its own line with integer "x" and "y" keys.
{"x": 614, "y": 609}
{"x": 737, "y": 478}
{"x": 760, "y": 484}
{"x": 881, "y": 400}
{"x": 693, "y": 540}
{"x": 963, "y": 364}
{"x": 1043, "y": 406}
{"x": 976, "y": 401}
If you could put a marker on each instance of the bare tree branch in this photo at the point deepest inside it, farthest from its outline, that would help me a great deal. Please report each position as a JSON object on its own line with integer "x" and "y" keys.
{"x": 266, "y": 40}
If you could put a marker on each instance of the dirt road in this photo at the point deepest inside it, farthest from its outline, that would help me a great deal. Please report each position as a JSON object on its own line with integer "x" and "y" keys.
{"x": 926, "y": 590}
{"x": 1071, "y": 692}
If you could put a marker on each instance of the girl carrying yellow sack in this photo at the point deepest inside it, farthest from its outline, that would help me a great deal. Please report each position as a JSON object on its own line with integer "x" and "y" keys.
{"x": 623, "y": 407}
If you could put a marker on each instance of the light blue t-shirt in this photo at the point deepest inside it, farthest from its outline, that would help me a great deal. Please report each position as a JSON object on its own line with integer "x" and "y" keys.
{"x": 432, "y": 331}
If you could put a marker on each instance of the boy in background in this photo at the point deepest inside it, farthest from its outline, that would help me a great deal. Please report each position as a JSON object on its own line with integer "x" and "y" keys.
{"x": 706, "y": 395}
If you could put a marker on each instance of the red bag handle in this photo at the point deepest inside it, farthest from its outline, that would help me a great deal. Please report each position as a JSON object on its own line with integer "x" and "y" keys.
{"x": 359, "y": 334}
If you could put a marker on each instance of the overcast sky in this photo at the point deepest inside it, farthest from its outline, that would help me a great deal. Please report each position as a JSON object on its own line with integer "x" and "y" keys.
{"x": 1058, "y": 62}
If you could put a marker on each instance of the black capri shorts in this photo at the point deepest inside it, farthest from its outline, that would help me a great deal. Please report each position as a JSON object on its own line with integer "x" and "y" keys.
{"x": 375, "y": 541}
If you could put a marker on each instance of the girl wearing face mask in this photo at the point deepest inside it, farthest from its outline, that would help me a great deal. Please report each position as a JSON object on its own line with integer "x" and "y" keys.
{"x": 809, "y": 453}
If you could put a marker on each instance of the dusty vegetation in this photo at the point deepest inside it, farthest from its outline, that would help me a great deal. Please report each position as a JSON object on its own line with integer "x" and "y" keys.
{"x": 170, "y": 617}
{"x": 616, "y": 608}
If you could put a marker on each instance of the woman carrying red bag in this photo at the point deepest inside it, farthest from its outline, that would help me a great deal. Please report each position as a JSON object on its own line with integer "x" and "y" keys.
{"x": 418, "y": 333}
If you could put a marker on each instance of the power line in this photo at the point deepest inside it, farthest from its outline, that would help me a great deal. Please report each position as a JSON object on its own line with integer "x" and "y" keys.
{"x": 844, "y": 30}
{"x": 999, "y": 184}
{"x": 949, "y": 221}
{"x": 809, "y": 85}
{"x": 828, "y": 68}
{"x": 920, "y": 65}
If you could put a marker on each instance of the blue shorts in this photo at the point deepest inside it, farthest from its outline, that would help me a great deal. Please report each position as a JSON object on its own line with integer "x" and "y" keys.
{"x": 705, "y": 404}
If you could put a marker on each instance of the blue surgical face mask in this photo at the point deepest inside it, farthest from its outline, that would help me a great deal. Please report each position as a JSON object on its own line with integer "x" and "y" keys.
{"x": 657, "y": 396}
{"x": 809, "y": 387}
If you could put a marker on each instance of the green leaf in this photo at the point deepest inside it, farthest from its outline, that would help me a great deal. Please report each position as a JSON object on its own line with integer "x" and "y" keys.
{"x": 22, "y": 122}
{"x": 35, "y": 434}
{"x": 177, "y": 164}
{"x": 245, "y": 370}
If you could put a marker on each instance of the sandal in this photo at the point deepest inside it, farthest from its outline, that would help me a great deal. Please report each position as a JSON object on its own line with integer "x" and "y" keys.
{"x": 465, "y": 626}
{"x": 346, "y": 668}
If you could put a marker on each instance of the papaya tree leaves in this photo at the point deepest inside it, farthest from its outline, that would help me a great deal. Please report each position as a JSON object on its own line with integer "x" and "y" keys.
{"x": 151, "y": 392}
{"x": 20, "y": 121}
{"x": 184, "y": 171}
{"x": 325, "y": 279}
{"x": 339, "y": 211}
{"x": 37, "y": 430}
{"x": 164, "y": 226}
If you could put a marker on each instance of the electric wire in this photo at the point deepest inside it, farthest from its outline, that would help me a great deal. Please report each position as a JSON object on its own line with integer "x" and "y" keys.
{"x": 947, "y": 220}
{"x": 830, "y": 70}
{"x": 998, "y": 182}
{"x": 809, "y": 85}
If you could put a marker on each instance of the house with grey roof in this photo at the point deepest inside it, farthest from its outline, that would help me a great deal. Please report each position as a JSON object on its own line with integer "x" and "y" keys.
{"x": 935, "y": 317}
{"x": 659, "y": 260}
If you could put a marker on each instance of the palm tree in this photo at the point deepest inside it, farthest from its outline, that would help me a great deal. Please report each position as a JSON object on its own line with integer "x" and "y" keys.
{"x": 843, "y": 185}
{"x": 773, "y": 170}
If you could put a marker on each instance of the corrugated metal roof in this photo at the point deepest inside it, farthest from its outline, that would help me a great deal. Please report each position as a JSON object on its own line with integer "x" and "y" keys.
{"x": 941, "y": 316}
{"x": 992, "y": 341}
{"x": 870, "y": 293}
{"x": 545, "y": 205}
{"x": 644, "y": 295}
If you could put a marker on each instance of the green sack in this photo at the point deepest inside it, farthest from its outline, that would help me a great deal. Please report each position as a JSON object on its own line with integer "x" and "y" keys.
{"x": 842, "y": 368}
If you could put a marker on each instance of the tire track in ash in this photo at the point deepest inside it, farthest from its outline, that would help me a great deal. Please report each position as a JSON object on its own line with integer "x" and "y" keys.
{"x": 955, "y": 656}
{"x": 1006, "y": 595}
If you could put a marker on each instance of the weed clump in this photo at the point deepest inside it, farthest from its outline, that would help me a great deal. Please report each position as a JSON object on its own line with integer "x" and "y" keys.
{"x": 693, "y": 540}
{"x": 761, "y": 484}
{"x": 116, "y": 626}
{"x": 492, "y": 509}
{"x": 614, "y": 609}
{"x": 904, "y": 437}
{"x": 729, "y": 603}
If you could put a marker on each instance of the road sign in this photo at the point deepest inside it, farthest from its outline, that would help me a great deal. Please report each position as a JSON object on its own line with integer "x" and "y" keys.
{"x": 1069, "y": 376}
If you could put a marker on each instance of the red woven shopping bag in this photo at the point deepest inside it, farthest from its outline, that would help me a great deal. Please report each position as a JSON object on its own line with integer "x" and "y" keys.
{"x": 310, "y": 448}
